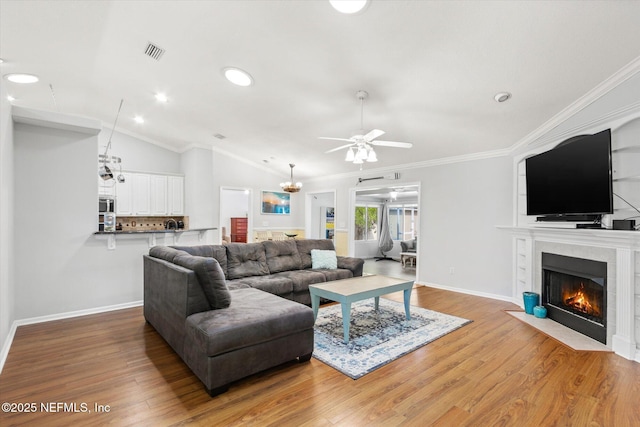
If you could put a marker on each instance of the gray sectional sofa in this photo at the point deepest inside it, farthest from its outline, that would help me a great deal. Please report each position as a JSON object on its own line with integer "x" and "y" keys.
{"x": 230, "y": 311}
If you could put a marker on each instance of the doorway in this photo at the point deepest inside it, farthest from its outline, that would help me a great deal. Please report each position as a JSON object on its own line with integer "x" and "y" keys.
{"x": 236, "y": 223}
{"x": 403, "y": 215}
{"x": 320, "y": 215}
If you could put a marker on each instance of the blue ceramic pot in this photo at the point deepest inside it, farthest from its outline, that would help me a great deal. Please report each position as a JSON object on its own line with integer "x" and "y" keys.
{"x": 540, "y": 311}
{"x": 531, "y": 299}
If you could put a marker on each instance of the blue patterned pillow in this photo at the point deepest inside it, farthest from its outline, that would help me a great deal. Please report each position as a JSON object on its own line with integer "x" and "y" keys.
{"x": 323, "y": 259}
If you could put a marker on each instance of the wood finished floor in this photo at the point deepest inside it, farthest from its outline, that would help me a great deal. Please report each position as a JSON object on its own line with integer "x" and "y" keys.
{"x": 495, "y": 371}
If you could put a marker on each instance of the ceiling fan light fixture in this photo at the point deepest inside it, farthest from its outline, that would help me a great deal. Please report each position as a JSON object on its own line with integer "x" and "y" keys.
{"x": 237, "y": 76}
{"x": 349, "y": 7}
{"x": 372, "y": 156}
{"x": 362, "y": 154}
{"x": 350, "y": 156}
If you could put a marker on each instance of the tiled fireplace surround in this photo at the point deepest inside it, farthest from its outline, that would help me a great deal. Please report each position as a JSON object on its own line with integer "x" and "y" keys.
{"x": 621, "y": 252}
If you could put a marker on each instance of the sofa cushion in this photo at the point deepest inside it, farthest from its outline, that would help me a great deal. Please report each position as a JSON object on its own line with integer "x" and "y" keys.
{"x": 210, "y": 276}
{"x": 213, "y": 251}
{"x": 254, "y": 317}
{"x": 246, "y": 259}
{"x": 323, "y": 259}
{"x": 281, "y": 286}
{"x": 305, "y": 246}
{"x": 282, "y": 255}
{"x": 337, "y": 274}
{"x": 301, "y": 279}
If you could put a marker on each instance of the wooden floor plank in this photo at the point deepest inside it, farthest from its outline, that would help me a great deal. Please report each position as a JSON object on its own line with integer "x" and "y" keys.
{"x": 494, "y": 371}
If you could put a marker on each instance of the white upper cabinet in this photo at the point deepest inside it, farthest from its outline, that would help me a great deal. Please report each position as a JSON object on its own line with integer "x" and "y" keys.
{"x": 176, "y": 195}
{"x": 143, "y": 194}
{"x": 158, "y": 195}
{"x": 124, "y": 195}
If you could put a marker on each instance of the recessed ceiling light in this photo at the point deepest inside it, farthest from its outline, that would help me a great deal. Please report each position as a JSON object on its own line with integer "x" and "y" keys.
{"x": 237, "y": 76}
{"x": 348, "y": 6}
{"x": 161, "y": 97}
{"x": 21, "y": 78}
{"x": 138, "y": 119}
{"x": 502, "y": 96}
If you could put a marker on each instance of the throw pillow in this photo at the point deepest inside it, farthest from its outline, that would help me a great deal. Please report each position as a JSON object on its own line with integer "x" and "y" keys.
{"x": 323, "y": 259}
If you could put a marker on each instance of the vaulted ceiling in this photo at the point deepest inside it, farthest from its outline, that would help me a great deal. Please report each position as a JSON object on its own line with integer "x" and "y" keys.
{"x": 431, "y": 68}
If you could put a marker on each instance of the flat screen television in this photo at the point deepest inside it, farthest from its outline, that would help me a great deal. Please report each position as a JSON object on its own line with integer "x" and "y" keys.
{"x": 572, "y": 179}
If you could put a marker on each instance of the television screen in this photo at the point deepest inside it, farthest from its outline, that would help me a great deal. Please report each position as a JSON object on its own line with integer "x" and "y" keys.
{"x": 573, "y": 178}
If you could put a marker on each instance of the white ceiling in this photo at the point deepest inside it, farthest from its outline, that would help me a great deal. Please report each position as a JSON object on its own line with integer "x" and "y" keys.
{"x": 431, "y": 68}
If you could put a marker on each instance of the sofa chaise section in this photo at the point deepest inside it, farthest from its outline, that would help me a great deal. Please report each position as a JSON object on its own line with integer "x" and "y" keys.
{"x": 242, "y": 332}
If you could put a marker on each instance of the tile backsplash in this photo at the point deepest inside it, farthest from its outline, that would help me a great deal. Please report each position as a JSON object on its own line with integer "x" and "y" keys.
{"x": 147, "y": 223}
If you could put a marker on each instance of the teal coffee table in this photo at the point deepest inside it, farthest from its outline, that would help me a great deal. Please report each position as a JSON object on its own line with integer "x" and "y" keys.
{"x": 347, "y": 291}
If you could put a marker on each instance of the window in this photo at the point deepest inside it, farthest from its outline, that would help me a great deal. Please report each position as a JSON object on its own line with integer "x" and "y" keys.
{"x": 403, "y": 221}
{"x": 366, "y": 222}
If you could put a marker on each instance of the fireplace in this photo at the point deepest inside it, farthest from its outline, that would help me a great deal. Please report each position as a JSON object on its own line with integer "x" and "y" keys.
{"x": 574, "y": 291}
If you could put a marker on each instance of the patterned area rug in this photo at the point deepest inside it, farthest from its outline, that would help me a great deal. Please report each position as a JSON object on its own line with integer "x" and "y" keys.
{"x": 376, "y": 338}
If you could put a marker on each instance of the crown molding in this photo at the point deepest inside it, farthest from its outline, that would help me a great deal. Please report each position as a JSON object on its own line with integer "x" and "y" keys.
{"x": 619, "y": 77}
{"x": 612, "y": 120}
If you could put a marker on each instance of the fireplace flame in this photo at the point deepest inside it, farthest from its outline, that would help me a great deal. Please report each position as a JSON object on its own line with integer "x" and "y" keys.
{"x": 580, "y": 302}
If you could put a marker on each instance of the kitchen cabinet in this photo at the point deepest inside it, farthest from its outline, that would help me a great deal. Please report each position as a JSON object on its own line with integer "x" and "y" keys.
{"x": 175, "y": 195}
{"x": 158, "y": 195}
{"x": 143, "y": 194}
{"x": 124, "y": 195}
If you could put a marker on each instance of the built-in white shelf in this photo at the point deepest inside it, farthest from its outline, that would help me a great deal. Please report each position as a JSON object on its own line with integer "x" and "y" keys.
{"x": 633, "y": 178}
{"x": 630, "y": 149}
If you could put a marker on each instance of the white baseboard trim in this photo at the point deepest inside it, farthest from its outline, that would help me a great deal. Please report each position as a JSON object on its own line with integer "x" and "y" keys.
{"x": 469, "y": 292}
{"x": 33, "y": 320}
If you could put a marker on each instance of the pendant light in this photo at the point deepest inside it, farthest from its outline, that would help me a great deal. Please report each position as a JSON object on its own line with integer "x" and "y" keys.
{"x": 289, "y": 186}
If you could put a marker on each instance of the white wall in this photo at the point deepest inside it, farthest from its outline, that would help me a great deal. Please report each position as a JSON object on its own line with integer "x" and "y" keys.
{"x": 231, "y": 172}
{"x": 200, "y": 189}
{"x": 60, "y": 265}
{"x": 140, "y": 156}
{"x": 458, "y": 219}
{"x": 7, "y": 284}
{"x": 460, "y": 206}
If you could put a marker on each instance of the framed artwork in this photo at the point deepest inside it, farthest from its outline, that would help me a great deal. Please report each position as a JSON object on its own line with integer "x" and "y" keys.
{"x": 275, "y": 203}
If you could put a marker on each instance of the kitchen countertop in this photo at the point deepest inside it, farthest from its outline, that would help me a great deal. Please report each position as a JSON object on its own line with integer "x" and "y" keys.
{"x": 155, "y": 231}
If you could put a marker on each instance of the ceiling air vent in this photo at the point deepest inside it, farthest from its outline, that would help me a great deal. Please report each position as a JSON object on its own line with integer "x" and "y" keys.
{"x": 154, "y": 51}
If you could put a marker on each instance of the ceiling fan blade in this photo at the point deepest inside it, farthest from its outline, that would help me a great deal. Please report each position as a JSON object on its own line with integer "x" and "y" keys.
{"x": 373, "y": 135}
{"x": 336, "y": 139}
{"x": 339, "y": 148}
{"x": 392, "y": 144}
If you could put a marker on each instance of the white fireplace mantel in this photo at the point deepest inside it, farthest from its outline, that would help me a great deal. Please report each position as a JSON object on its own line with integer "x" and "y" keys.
{"x": 624, "y": 336}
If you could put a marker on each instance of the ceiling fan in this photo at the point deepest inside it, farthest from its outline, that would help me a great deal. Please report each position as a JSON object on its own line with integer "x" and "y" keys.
{"x": 360, "y": 146}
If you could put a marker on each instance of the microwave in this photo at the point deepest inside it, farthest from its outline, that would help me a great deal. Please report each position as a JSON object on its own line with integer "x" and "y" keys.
{"x": 106, "y": 204}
